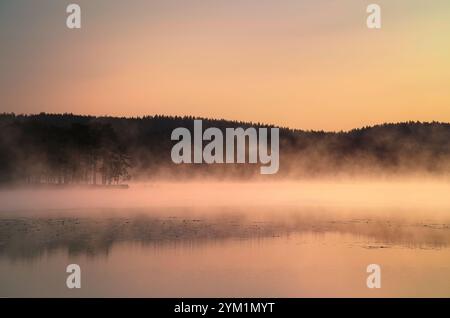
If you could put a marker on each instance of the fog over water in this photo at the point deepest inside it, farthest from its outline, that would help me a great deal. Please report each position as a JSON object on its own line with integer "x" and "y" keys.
{"x": 351, "y": 194}
{"x": 192, "y": 239}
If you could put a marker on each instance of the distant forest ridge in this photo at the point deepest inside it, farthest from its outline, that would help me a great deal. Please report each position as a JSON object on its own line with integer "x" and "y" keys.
{"x": 75, "y": 149}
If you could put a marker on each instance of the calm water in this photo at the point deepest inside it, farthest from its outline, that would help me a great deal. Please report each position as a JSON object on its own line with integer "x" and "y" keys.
{"x": 288, "y": 251}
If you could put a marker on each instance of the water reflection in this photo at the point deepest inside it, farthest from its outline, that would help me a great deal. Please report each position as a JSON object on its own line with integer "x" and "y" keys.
{"x": 28, "y": 237}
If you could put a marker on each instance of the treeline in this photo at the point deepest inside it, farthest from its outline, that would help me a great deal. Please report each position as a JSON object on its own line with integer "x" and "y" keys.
{"x": 68, "y": 149}
{"x": 46, "y": 150}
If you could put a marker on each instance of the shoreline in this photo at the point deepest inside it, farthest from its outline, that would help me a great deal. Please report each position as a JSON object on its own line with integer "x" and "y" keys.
{"x": 52, "y": 186}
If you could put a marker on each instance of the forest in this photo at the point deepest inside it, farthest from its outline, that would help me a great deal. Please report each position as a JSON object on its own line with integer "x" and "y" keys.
{"x": 65, "y": 149}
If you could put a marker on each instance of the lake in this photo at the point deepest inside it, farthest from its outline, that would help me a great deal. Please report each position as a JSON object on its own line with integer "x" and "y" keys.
{"x": 311, "y": 239}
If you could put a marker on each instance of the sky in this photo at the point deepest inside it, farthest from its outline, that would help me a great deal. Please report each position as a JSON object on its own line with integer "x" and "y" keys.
{"x": 296, "y": 63}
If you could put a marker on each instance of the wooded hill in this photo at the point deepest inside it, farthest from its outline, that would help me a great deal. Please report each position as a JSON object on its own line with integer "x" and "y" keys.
{"x": 72, "y": 149}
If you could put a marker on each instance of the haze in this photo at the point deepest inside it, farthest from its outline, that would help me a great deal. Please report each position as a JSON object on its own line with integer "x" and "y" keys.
{"x": 302, "y": 64}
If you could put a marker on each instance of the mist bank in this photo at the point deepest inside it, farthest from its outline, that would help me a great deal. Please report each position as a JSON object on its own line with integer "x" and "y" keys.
{"x": 410, "y": 214}
{"x": 70, "y": 149}
{"x": 427, "y": 199}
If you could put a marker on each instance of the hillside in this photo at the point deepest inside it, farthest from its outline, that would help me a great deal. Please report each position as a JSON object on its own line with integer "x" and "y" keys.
{"x": 66, "y": 148}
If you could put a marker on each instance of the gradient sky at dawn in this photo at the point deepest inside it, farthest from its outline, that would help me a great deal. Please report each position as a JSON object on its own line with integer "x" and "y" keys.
{"x": 303, "y": 64}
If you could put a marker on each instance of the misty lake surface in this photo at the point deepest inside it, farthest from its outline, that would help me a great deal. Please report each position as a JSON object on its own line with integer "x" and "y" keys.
{"x": 266, "y": 240}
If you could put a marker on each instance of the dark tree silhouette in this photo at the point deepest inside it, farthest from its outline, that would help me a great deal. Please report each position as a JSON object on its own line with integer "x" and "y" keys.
{"x": 72, "y": 149}
{"x": 47, "y": 149}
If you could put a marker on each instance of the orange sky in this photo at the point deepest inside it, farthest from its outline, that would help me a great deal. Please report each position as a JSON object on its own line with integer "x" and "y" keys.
{"x": 303, "y": 64}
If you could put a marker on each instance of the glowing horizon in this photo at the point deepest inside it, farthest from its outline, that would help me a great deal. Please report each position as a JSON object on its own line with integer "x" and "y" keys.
{"x": 297, "y": 64}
